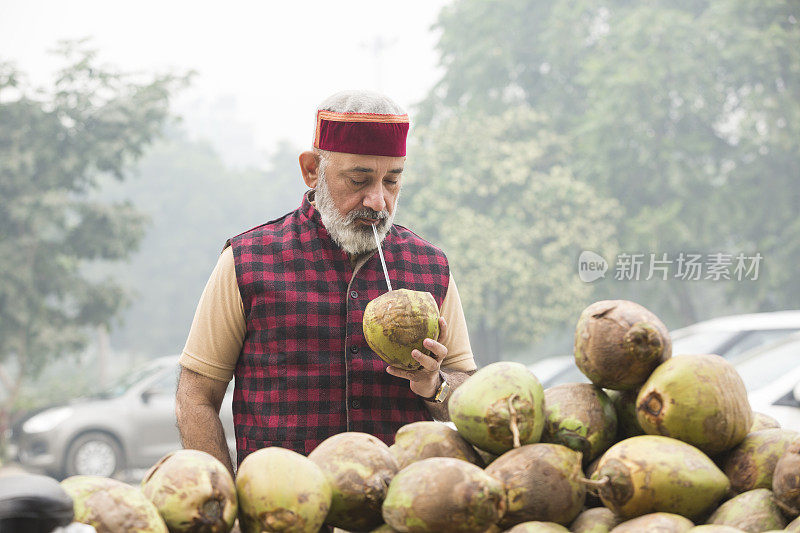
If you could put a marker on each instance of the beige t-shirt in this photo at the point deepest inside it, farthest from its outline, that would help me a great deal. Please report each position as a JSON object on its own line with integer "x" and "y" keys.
{"x": 218, "y": 329}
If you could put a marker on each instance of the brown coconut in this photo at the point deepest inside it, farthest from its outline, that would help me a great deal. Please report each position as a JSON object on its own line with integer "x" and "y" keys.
{"x": 753, "y": 511}
{"x": 786, "y": 481}
{"x": 751, "y": 463}
{"x": 618, "y": 343}
{"x": 597, "y": 520}
{"x": 443, "y": 494}
{"x": 359, "y": 468}
{"x": 543, "y": 482}
{"x": 422, "y": 440}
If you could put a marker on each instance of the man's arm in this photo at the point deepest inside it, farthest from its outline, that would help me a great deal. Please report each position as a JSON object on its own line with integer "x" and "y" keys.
{"x": 439, "y": 411}
{"x": 197, "y": 408}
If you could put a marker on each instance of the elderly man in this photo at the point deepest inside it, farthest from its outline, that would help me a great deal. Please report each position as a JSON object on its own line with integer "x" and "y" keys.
{"x": 282, "y": 310}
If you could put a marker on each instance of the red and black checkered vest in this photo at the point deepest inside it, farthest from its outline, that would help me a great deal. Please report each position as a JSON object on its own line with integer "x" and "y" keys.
{"x": 305, "y": 371}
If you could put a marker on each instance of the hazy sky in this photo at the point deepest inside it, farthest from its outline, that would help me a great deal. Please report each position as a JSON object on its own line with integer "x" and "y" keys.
{"x": 278, "y": 59}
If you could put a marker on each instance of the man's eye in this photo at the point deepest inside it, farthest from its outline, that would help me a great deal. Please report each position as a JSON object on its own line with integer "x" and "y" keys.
{"x": 390, "y": 182}
{"x": 356, "y": 182}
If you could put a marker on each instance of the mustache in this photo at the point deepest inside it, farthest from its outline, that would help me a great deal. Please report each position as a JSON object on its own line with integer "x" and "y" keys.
{"x": 366, "y": 212}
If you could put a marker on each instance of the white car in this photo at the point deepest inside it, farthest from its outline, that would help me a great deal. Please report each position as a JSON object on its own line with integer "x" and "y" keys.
{"x": 730, "y": 336}
{"x": 772, "y": 377}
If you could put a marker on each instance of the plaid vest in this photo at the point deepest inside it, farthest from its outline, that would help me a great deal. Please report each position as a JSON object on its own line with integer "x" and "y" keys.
{"x": 305, "y": 371}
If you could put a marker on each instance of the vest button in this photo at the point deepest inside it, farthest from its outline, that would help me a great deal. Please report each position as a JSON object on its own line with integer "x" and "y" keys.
{"x": 354, "y": 349}
{"x": 355, "y": 403}
{"x": 353, "y": 295}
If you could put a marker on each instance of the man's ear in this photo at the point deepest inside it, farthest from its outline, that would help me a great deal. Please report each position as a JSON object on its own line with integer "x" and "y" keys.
{"x": 309, "y": 164}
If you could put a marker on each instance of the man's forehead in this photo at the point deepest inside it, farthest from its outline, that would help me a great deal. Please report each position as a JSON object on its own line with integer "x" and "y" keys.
{"x": 365, "y": 163}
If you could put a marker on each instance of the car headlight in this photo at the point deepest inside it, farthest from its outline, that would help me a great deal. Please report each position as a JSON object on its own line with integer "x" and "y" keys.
{"x": 46, "y": 420}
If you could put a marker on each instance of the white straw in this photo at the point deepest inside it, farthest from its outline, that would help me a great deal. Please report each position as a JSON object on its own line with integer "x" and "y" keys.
{"x": 383, "y": 261}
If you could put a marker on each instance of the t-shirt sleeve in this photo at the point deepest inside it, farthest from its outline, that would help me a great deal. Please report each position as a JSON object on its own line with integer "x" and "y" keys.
{"x": 218, "y": 329}
{"x": 456, "y": 339}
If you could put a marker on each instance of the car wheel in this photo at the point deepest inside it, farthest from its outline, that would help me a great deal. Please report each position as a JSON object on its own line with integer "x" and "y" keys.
{"x": 94, "y": 454}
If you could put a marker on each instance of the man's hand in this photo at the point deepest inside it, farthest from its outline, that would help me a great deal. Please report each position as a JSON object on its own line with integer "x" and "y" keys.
{"x": 425, "y": 381}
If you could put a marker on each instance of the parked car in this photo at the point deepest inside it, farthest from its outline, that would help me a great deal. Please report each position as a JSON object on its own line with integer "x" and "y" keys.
{"x": 772, "y": 377}
{"x": 129, "y": 426}
{"x": 728, "y": 336}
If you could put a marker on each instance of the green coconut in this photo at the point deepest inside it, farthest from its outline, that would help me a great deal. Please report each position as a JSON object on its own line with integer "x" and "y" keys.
{"x": 396, "y": 322}
{"x": 754, "y": 511}
{"x": 538, "y": 527}
{"x": 383, "y": 528}
{"x": 751, "y": 463}
{"x": 650, "y": 473}
{"x": 625, "y": 406}
{"x": 699, "y": 399}
{"x": 281, "y": 491}
{"x": 499, "y": 407}
{"x": 423, "y": 440}
{"x": 359, "y": 468}
{"x": 618, "y": 344}
{"x": 762, "y": 421}
{"x": 786, "y": 480}
{"x": 543, "y": 482}
{"x": 193, "y": 492}
{"x": 581, "y": 417}
{"x": 111, "y": 506}
{"x": 443, "y": 494}
{"x": 655, "y": 523}
{"x": 597, "y": 520}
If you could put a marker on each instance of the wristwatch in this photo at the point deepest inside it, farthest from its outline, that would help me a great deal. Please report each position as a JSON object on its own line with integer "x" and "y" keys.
{"x": 442, "y": 392}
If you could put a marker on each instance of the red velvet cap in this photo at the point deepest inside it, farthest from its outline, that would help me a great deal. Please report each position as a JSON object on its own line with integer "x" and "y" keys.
{"x": 362, "y": 133}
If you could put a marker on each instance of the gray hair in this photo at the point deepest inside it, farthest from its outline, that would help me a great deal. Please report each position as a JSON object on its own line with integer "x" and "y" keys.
{"x": 359, "y": 101}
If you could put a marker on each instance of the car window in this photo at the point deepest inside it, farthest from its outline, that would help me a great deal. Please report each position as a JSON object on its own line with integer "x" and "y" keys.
{"x": 754, "y": 339}
{"x": 761, "y": 370}
{"x": 121, "y": 385}
{"x": 166, "y": 384}
{"x": 702, "y": 342}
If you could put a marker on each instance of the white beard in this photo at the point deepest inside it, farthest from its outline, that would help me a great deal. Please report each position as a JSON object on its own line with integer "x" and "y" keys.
{"x": 352, "y": 237}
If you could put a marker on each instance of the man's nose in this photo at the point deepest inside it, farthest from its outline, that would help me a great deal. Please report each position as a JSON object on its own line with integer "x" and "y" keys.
{"x": 374, "y": 198}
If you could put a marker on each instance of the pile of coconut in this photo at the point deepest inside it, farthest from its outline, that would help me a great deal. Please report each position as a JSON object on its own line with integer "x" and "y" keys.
{"x": 655, "y": 443}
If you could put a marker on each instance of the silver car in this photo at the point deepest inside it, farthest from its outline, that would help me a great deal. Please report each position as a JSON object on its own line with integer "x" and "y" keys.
{"x": 130, "y": 426}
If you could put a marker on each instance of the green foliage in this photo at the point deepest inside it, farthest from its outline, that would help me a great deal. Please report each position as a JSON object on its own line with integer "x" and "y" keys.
{"x": 193, "y": 203}
{"x": 56, "y": 145}
{"x": 494, "y": 192}
{"x": 687, "y": 113}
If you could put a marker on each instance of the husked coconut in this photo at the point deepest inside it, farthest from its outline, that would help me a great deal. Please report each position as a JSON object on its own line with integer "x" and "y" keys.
{"x": 498, "y": 408}
{"x": 699, "y": 399}
{"x": 649, "y": 473}
{"x": 443, "y": 494}
{"x": 359, "y": 468}
{"x": 193, "y": 492}
{"x": 281, "y": 491}
{"x": 618, "y": 344}
{"x": 543, "y": 482}
{"x": 753, "y": 511}
{"x": 579, "y": 416}
{"x": 111, "y": 506}
{"x": 423, "y": 440}
{"x": 396, "y": 322}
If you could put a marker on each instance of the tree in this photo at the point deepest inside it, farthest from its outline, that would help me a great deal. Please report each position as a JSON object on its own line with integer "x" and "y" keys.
{"x": 686, "y": 112}
{"x": 494, "y": 192}
{"x": 55, "y": 145}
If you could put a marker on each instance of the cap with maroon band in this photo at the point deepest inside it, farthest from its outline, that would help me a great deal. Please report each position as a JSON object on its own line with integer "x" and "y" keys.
{"x": 361, "y": 133}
